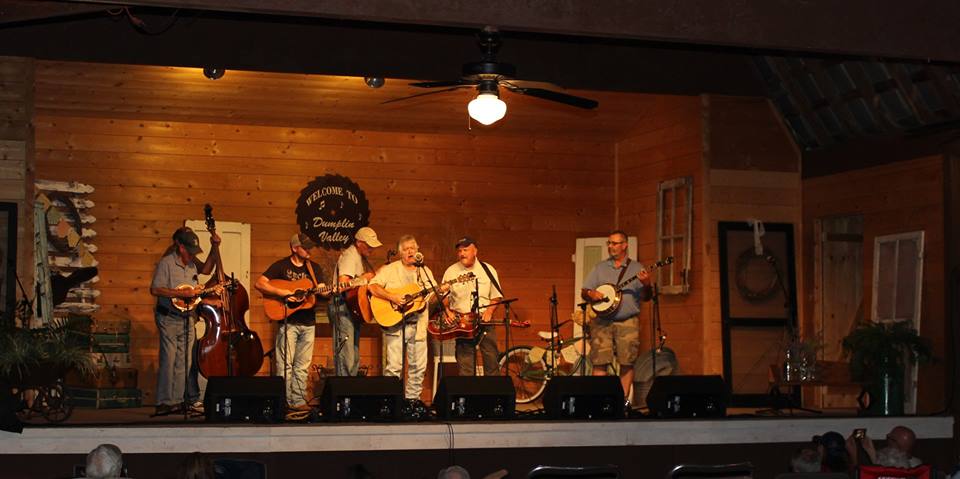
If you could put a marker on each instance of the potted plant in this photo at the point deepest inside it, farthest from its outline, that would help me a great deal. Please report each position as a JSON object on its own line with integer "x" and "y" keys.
{"x": 879, "y": 354}
{"x": 41, "y": 356}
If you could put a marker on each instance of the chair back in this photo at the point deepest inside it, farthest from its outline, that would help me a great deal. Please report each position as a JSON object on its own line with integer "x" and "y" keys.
{"x": 721, "y": 471}
{"x": 812, "y": 475}
{"x": 583, "y": 472}
{"x": 922, "y": 471}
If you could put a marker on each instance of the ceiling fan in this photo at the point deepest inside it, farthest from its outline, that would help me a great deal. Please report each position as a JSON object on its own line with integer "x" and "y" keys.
{"x": 488, "y": 76}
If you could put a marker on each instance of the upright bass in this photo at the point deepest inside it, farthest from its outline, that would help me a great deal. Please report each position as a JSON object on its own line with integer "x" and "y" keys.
{"x": 228, "y": 347}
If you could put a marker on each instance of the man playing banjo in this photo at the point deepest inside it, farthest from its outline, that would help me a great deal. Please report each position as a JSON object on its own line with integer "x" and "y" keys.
{"x": 615, "y": 332}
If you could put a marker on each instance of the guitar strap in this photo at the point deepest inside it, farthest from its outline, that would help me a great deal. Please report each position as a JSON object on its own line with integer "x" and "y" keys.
{"x": 493, "y": 279}
{"x": 313, "y": 277}
{"x": 623, "y": 271}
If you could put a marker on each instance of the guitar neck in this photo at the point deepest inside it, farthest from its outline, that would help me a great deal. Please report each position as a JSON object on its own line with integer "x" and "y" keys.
{"x": 339, "y": 286}
{"x": 656, "y": 266}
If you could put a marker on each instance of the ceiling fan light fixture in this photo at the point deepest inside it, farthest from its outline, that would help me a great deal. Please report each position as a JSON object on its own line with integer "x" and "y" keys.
{"x": 487, "y": 108}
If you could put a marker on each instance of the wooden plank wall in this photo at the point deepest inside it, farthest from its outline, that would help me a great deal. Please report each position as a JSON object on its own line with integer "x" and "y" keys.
{"x": 668, "y": 144}
{"x": 893, "y": 198}
{"x": 752, "y": 170}
{"x": 16, "y": 135}
{"x": 525, "y": 199}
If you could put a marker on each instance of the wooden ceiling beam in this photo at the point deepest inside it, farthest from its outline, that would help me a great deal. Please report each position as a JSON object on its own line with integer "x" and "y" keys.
{"x": 923, "y": 29}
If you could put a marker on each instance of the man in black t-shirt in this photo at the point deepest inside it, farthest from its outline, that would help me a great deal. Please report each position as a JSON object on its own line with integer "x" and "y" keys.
{"x": 293, "y": 349}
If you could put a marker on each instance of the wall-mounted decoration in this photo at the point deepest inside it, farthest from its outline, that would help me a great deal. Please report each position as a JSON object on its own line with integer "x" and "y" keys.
{"x": 69, "y": 246}
{"x": 758, "y": 304}
{"x": 331, "y": 209}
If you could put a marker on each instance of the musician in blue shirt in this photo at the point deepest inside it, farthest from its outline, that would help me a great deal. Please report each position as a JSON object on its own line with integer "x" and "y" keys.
{"x": 616, "y": 335}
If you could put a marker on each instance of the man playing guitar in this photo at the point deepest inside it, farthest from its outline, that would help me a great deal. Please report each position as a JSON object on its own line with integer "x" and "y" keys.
{"x": 465, "y": 299}
{"x": 617, "y": 334}
{"x": 410, "y": 332}
{"x": 353, "y": 263}
{"x": 293, "y": 350}
{"x": 176, "y": 278}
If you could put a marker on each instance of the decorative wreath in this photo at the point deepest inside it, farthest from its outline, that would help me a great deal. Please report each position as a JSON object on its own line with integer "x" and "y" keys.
{"x": 749, "y": 262}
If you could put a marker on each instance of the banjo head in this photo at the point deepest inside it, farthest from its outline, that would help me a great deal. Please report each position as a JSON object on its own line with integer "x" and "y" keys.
{"x": 610, "y": 292}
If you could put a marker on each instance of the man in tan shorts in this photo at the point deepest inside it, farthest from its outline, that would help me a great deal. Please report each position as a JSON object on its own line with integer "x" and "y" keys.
{"x": 617, "y": 335}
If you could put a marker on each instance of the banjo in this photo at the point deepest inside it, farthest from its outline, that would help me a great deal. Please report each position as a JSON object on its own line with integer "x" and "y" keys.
{"x": 612, "y": 293}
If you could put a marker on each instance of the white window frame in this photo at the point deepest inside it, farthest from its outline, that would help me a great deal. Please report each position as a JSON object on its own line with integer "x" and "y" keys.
{"x": 910, "y": 383}
{"x": 667, "y": 277}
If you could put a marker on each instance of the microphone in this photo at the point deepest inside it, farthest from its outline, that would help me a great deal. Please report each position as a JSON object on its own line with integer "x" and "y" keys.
{"x": 770, "y": 258}
{"x": 418, "y": 258}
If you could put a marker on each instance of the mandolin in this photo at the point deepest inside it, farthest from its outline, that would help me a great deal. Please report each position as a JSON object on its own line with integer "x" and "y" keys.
{"x": 188, "y": 304}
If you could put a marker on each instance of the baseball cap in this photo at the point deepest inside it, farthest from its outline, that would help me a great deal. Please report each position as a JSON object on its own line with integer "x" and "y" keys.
{"x": 368, "y": 236}
{"x": 465, "y": 241}
{"x": 189, "y": 240}
{"x": 301, "y": 239}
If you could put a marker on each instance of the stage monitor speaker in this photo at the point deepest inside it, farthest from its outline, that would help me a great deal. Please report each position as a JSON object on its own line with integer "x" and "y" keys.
{"x": 688, "y": 396}
{"x": 241, "y": 398}
{"x": 475, "y": 397}
{"x": 584, "y": 397}
{"x": 375, "y": 398}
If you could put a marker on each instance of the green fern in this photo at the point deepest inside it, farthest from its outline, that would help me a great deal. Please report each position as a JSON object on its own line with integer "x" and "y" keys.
{"x": 876, "y": 347}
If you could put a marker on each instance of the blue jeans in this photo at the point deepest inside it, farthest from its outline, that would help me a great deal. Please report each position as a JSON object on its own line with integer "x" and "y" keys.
{"x": 293, "y": 353}
{"x": 176, "y": 347}
{"x": 346, "y": 338}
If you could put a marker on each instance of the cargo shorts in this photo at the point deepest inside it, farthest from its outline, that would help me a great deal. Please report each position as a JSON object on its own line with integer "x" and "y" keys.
{"x": 614, "y": 339}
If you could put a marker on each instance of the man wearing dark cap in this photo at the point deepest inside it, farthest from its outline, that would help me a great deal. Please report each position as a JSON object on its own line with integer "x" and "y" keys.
{"x": 293, "y": 350}
{"x": 477, "y": 297}
{"x": 352, "y": 264}
{"x": 177, "y": 268}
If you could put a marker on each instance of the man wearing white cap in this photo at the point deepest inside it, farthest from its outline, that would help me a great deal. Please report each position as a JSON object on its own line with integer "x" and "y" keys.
{"x": 353, "y": 263}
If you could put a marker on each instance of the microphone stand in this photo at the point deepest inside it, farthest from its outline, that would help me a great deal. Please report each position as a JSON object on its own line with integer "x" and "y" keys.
{"x": 583, "y": 337}
{"x": 430, "y": 284}
{"x": 655, "y": 332}
{"x": 475, "y": 309}
{"x": 553, "y": 328}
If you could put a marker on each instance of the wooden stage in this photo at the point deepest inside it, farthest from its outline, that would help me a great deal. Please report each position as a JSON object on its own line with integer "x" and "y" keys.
{"x": 405, "y": 450}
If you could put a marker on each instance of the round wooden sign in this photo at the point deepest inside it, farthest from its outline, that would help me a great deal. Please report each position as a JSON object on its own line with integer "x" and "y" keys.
{"x": 331, "y": 209}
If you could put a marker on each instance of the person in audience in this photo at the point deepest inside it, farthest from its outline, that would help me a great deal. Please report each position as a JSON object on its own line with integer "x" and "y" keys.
{"x": 833, "y": 452}
{"x": 104, "y": 461}
{"x": 453, "y": 472}
{"x": 805, "y": 460}
{"x": 197, "y": 466}
{"x": 903, "y": 438}
{"x": 892, "y": 457}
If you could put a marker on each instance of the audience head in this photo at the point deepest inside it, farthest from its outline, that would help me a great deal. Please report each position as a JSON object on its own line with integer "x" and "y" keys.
{"x": 902, "y": 438}
{"x": 453, "y": 472}
{"x": 805, "y": 460}
{"x": 890, "y": 456}
{"x": 196, "y": 466}
{"x": 833, "y": 451}
{"x": 104, "y": 461}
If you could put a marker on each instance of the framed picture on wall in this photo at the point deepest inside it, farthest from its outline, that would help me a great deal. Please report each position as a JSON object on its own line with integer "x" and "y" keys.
{"x": 758, "y": 304}
{"x": 8, "y": 260}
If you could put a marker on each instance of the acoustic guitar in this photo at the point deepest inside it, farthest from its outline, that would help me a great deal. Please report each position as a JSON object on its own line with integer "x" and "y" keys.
{"x": 415, "y": 300}
{"x": 613, "y": 293}
{"x": 304, "y": 294}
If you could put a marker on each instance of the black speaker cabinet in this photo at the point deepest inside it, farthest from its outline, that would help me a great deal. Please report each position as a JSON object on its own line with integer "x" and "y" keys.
{"x": 375, "y": 398}
{"x": 584, "y": 397}
{"x": 688, "y": 396}
{"x": 475, "y": 397}
{"x": 237, "y": 398}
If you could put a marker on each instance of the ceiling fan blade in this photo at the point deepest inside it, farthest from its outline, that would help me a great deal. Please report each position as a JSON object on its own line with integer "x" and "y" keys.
{"x": 577, "y": 101}
{"x": 438, "y": 84}
{"x": 425, "y": 94}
